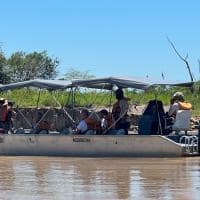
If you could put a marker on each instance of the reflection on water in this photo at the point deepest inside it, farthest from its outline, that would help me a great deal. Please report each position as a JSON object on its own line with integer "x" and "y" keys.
{"x": 99, "y": 178}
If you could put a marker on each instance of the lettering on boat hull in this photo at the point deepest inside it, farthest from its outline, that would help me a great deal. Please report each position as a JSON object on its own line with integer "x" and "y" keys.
{"x": 80, "y": 139}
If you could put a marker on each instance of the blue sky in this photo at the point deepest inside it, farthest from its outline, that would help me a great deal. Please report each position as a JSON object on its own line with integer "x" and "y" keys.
{"x": 106, "y": 37}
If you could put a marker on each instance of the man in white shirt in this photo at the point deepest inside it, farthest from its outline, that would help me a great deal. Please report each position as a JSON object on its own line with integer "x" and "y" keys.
{"x": 82, "y": 126}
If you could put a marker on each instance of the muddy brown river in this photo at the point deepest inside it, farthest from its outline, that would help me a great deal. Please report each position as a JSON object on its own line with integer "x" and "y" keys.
{"x": 99, "y": 178}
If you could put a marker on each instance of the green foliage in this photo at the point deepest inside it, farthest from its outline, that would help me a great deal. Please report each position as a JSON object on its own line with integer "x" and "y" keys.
{"x": 29, "y": 97}
{"x": 94, "y": 98}
{"x": 76, "y": 74}
{"x": 4, "y": 77}
{"x": 23, "y": 66}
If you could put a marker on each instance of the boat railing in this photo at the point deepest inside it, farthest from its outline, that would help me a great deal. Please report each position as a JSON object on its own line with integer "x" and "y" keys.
{"x": 190, "y": 143}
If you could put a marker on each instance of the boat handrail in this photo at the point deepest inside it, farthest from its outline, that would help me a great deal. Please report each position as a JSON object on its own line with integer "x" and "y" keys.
{"x": 190, "y": 142}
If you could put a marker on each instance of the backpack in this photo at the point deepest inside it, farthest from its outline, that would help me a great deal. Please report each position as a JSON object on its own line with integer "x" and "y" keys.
{"x": 153, "y": 118}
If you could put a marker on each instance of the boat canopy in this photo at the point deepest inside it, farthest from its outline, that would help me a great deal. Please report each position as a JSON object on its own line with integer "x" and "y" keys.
{"x": 97, "y": 83}
{"x": 127, "y": 82}
{"x": 39, "y": 83}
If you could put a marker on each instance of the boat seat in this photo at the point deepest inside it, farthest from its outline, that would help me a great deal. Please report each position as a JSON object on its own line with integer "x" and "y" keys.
{"x": 182, "y": 121}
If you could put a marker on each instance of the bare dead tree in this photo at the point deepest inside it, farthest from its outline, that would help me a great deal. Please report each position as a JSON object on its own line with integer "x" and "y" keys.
{"x": 182, "y": 58}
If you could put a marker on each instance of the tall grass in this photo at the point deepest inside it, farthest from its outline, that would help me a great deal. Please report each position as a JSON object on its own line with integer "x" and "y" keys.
{"x": 84, "y": 97}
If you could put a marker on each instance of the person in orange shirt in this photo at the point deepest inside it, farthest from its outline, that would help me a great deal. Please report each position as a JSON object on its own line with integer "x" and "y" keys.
{"x": 178, "y": 103}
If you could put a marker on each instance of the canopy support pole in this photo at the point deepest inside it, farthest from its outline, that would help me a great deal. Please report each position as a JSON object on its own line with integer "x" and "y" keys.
{"x": 159, "y": 121}
{"x": 38, "y": 97}
{"x": 67, "y": 114}
{"x": 44, "y": 115}
{"x": 69, "y": 98}
{"x": 73, "y": 102}
{"x": 27, "y": 121}
{"x": 110, "y": 101}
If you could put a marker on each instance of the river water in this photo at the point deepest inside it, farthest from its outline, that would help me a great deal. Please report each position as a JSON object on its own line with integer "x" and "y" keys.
{"x": 99, "y": 178}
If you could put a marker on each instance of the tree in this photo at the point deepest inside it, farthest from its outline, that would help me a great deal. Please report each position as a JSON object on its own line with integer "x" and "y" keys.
{"x": 4, "y": 72}
{"x": 76, "y": 74}
{"x": 24, "y": 66}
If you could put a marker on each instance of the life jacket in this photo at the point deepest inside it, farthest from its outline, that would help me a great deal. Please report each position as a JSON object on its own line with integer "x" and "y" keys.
{"x": 184, "y": 105}
{"x": 91, "y": 123}
{"x": 3, "y": 112}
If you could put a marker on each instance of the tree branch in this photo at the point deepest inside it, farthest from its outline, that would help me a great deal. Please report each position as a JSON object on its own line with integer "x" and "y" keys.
{"x": 183, "y": 59}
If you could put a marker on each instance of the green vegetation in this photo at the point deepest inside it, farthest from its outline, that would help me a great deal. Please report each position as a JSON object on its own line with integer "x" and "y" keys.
{"x": 21, "y": 66}
{"x": 76, "y": 74}
{"x": 87, "y": 97}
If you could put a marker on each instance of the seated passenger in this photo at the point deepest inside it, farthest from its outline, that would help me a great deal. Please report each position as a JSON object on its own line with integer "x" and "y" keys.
{"x": 9, "y": 119}
{"x": 106, "y": 121}
{"x": 180, "y": 112}
{"x": 178, "y": 103}
{"x": 87, "y": 125}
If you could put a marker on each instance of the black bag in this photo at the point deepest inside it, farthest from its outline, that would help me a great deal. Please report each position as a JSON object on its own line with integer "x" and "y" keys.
{"x": 153, "y": 119}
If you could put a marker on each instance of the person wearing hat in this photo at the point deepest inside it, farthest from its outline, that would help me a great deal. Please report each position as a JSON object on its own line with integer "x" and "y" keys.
{"x": 178, "y": 103}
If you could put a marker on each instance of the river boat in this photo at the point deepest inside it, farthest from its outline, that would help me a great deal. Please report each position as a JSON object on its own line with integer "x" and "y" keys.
{"x": 134, "y": 145}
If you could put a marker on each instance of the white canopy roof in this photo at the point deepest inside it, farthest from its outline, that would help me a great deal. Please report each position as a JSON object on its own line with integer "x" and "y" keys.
{"x": 98, "y": 83}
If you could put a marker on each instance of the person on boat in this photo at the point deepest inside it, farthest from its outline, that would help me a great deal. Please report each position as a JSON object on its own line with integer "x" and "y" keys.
{"x": 3, "y": 114}
{"x": 119, "y": 111}
{"x": 106, "y": 121}
{"x": 9, "y": 118}
{"x": 87, "y": 125}
{"x": 178, "y": 103}
{"x": 179, "y": 113}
